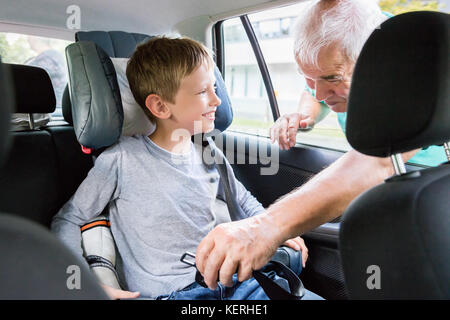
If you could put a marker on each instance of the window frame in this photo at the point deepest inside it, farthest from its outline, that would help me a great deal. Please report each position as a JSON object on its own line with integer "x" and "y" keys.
{"x": 219, "y": 51}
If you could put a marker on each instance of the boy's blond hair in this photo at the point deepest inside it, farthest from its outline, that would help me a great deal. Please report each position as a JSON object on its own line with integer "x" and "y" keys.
{"x": 158, "y": 66}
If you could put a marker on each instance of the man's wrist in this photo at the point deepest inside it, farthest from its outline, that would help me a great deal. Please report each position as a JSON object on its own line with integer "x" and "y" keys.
{"x": 273, "y": 220}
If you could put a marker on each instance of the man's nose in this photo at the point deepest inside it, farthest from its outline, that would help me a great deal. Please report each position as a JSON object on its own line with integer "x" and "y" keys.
{"x": 323, "y": 90}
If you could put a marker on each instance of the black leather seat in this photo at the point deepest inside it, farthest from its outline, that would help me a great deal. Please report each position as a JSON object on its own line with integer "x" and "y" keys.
{"x": 34, "y": 264}
{"x": 29, "y": 179}
{"x": 45, "y": 166}
{"x": 395, "y": 238}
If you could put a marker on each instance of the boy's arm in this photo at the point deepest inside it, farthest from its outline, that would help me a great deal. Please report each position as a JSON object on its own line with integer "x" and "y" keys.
{"x": 92, "y": 196}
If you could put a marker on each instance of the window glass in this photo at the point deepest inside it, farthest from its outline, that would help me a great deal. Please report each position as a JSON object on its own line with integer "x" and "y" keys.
{"x": 251, "y": 107}
{"x": 46, "y": 53}
{"x": 272, "y": 29}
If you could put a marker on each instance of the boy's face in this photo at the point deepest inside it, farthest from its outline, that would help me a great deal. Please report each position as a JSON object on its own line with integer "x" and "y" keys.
{"x": 196, "y": 101}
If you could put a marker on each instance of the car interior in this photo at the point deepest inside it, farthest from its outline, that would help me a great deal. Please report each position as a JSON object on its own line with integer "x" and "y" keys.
{"x": 401, "y": 226}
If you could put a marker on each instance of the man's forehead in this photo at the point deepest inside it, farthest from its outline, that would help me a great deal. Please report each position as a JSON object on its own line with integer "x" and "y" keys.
{"x": 330, "y": 60}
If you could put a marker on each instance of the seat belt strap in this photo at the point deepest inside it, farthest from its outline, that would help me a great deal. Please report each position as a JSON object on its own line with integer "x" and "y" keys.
{"x": 273, "y": 290}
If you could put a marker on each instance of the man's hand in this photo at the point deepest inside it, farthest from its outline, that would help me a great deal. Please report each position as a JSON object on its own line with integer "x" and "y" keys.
{"x": 284, "y": 131}
{"x": 241, "y": 246}
{"x": 298, "y": 243}
{"x": 116, "y": 294}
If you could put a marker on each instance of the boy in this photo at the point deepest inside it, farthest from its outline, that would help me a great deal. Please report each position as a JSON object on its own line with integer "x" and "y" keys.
{"x": 161, "y": 202}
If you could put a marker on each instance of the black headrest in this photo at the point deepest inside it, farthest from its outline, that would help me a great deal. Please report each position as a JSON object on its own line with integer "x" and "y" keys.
{"x": 33, "y": 89}
{"x": 6, "y": 104}
{"x": 399, "y": 97}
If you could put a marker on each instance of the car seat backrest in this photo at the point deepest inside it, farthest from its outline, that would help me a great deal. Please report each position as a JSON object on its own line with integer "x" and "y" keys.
{"x": 33, "y": 264}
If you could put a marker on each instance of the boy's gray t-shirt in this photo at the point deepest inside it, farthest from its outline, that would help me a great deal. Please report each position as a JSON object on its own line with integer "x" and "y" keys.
{"x": 160, "y": 205}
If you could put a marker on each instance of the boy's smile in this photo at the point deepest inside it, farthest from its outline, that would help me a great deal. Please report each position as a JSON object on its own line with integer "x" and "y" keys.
{"x": 210, "y": 115}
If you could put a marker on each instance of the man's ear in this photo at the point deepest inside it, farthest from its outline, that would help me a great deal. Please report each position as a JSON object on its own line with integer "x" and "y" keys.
{"x": 157, "y": 106}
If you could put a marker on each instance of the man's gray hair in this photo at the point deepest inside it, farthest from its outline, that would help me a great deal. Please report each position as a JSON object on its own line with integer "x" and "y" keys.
{"x": 345, "y": 23}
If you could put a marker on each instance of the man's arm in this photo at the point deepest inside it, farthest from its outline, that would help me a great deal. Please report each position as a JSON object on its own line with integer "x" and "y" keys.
{"x": 247, "y": 245}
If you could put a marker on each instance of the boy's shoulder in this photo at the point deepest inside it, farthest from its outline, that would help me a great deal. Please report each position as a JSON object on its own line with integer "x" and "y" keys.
{"x": 129, "y": 141}
{"x": 124, "y": 144}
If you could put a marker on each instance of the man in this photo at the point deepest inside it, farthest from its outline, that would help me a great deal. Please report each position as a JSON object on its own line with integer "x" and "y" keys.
{"x": 328, "y": 40}
{"x": 313, "y": 108}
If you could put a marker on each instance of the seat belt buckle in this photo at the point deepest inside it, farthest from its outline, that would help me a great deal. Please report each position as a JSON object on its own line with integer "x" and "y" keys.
{"x": 198, "y": 276}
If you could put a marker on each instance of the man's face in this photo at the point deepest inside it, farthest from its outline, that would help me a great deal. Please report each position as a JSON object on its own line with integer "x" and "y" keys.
{"x": 331, "y": 79}
{"x": 196, "y": 101}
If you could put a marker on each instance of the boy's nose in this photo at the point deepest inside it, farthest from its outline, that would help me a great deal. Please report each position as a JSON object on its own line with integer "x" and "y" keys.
{"x": 215, "y": 100}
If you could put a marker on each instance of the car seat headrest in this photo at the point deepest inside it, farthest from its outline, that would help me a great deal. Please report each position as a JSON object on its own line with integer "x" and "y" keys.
{"x": 119, "y": 44}
{"x": 81, "y": 62}
{"x": 399, "y": 96}
{"x": 95, "y": 96}
{"x": 33, "y": 89}
{"x": 116, "y": 44}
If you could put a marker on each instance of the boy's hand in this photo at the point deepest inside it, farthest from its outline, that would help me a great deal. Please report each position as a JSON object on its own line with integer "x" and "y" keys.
{"x": 116, "y": 294}
{"x": 297, "y": 243}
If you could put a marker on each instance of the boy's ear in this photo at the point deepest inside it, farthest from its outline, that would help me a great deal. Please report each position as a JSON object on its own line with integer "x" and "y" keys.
{"x": 157, "y": 106}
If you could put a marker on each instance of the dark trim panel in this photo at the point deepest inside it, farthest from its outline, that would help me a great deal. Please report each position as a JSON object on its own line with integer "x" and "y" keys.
{"x": 218, "y": 47}
{"x": 262, "y": 66}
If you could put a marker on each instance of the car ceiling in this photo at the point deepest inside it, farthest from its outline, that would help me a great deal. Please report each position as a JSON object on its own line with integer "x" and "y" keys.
{"x": 142, "y": 16}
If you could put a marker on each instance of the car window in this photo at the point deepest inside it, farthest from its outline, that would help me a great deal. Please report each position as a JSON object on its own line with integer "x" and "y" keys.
{"x": 245, "y": 83}
{"x": 251, "y": 107}
{"x": 273, "y": 31}
{"x": 47, "y": 53}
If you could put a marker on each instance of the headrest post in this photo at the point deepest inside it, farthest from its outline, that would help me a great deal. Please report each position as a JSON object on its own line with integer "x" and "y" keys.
{"x": 31, "y": 121}
{"x": 447, "y": 150}
{"x": 399, "y": 165}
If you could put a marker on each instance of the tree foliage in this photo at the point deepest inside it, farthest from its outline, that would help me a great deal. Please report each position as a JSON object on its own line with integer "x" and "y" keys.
{"x": 16, "y": 52}
{"x": 401, "y": 6}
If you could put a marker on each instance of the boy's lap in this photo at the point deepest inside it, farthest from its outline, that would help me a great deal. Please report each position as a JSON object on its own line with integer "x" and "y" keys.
{"x": 247, "y": 290}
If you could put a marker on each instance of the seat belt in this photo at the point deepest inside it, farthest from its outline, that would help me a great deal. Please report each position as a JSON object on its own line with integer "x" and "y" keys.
{"x": 273, "y": 290}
